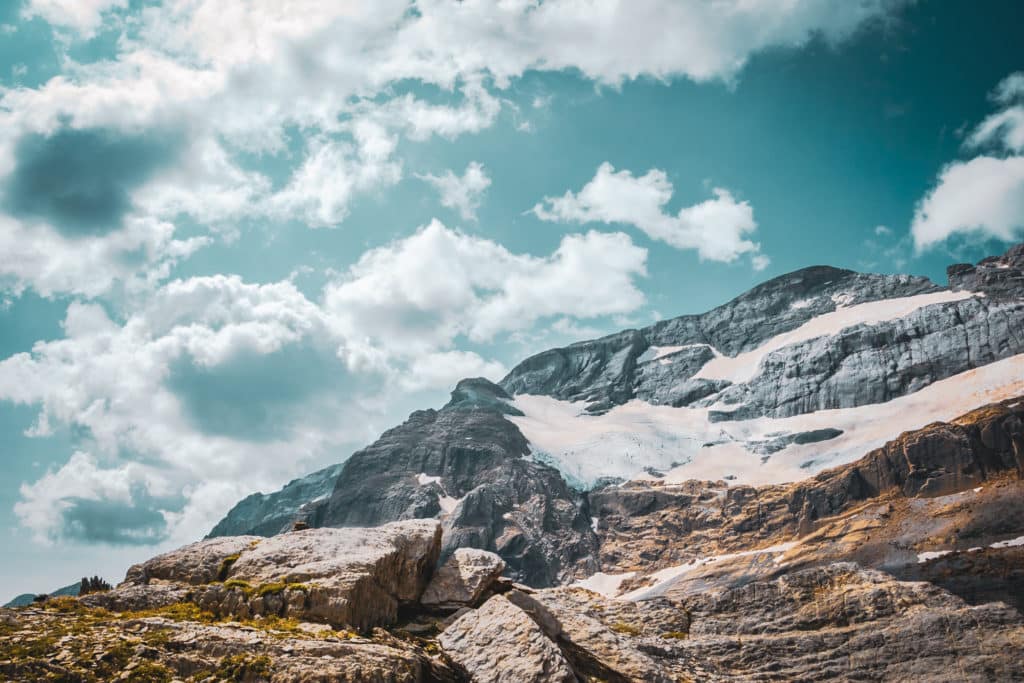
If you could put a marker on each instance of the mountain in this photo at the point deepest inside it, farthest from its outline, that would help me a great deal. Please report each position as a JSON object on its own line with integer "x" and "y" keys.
{"x": 822, "y": 479}
{"x": 28, "y": 598}
{"x": 805, "y": 372}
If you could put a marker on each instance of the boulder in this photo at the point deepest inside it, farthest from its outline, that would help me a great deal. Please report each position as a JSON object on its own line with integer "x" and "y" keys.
{"x": 463, "y": 579}
{"x": 196, "y": 563}
{"x": 499, "y": 643}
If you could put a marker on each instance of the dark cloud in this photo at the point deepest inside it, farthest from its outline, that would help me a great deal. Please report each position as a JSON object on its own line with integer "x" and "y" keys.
{"x": 252, "y": 396}
{"x": 117, "y": 523}
{"x": 80, "y": 181}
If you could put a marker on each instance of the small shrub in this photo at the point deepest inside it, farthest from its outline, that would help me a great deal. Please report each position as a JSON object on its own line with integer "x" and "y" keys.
{"x": 676, "y": 635}
{"x": 93, "y": 585}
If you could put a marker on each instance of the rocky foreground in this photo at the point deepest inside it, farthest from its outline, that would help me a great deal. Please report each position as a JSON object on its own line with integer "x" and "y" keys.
{"x": 828, "y": 600}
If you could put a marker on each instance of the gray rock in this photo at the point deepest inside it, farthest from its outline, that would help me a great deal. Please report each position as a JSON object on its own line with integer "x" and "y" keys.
{"x": 137, "y": 597}
{"x": 196, "y": 563}
{"x": 469, "y": 457}
{"x": 268, "y": 514}
{"x": 463, "y": 579}
{"x": 499, "y": 643}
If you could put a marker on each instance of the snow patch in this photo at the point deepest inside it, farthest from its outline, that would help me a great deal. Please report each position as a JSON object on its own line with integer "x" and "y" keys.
{"x": 666, "y": 578}
{"x": 606, "y": 584}
{"x": 659, "y": 352}
{"x": 801, "y": 304}
{"x": 424, "y": 479}
{"x": 744, "y": 367}
{"x": 448, "y": 503}
{"x": 931, "y": 555}
{"x": 1012, "y": 543}
{"x": 637, "y": 435}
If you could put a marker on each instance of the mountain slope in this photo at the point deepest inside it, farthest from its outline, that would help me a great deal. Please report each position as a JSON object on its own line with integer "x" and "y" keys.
{"x": 808, "y": 371}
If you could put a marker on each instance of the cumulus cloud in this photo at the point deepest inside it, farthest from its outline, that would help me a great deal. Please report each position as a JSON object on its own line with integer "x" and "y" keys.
{"x": 715, "y": 228}
{"x": 334, "y": 74}
{"x": 461, "y": 193}
{"x": 395, "y": 299}
{"x": 214, "y": 387}
{"x": 983, "y": 196}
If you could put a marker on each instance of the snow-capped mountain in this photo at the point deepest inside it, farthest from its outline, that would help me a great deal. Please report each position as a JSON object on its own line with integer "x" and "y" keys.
{"x": 808, "y": 371}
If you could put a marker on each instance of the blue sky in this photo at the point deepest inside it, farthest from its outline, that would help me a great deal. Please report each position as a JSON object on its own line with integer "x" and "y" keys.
{"x": 237, "y": 243}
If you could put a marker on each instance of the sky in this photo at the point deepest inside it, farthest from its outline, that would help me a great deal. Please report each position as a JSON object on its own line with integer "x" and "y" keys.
{"x": 239, "y": 239}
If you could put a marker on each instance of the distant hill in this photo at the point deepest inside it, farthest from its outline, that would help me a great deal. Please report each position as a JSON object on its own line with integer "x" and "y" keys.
{"x": 27, "y": 598}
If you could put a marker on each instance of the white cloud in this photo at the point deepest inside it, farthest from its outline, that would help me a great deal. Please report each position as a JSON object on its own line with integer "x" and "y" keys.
{"x": 333, "y": 173}
{"x": 421, "y": 293}
{"x": 329, "y": 72}
{"x": 984, "y": 196}
{"x": 461, "y": 193}
{"x": 882, "y": 230}
{"x": 214, "y": 387}
{"x": 83, "y": 16}
{"x": 715, "y": 228}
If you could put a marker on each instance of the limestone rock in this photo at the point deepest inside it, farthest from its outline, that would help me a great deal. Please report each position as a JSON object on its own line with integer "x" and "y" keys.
{"x": 463, "y": 579}
{"x": 136, "y": 597}
{"x": 499, "y": 643}
{"x": 196, "y": 563}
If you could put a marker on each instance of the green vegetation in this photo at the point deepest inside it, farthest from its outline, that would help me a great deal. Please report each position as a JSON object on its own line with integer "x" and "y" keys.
{"x": 151, "y": 672}
{"x": 279, "y": 587}
{"x": 243, "y": 586}
{"x": 626, "y": 629}
{"x": 244, "y": 667}
{"x": 93, "y": 585}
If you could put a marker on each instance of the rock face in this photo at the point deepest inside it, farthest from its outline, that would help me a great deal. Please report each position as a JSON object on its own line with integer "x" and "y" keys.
{"x": 612, "y": 370}
{"x": 353, "y": 577}
{"x": 947, "y": 491}
{"x": 499, "y": 643}
{"x": 465, "y": 464}
{"x": 462, "y": 580}
{"x": 268, "y": 514}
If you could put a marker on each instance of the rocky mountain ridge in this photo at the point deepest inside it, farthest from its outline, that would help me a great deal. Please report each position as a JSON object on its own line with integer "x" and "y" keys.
{"x": 820, "y": 480}
{"x": 495, "y": 466}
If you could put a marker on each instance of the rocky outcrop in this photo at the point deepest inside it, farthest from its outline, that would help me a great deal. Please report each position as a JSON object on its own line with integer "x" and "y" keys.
{"x": 36, "y": 646}
{"x": 947, "y": 491}
{"x": 268, "y": 514}
{"x": 194, "y": 564}
{"x": 463, "y": 579}
{"x": 353, "y": 577}
{"x": 866, "y": 364}
{"x": 837, "y": 622}
{"x": 611, "y": 370}
{"x": 465, "y": 464}
{"x": 499, "y": 643}
{"x": 863, "y": 364}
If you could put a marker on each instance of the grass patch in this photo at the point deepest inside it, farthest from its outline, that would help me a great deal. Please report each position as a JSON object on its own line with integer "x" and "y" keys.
{"x": 626, "y": 629}
{"x": 179, "y": 611}
{"x": 244, "y": 667}
{"x": 151, "y": 672}
{"x": 280, "y": 587}
{"x": 243, "y": 586}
